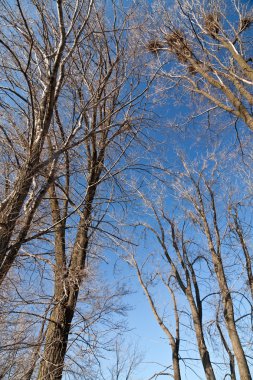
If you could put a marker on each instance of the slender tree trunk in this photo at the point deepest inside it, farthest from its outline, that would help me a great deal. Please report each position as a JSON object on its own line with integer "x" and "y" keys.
{"x": 196, "y": 309}
{"x": 203, "y": 351}
{"x": 230, "y": 354}
{"x": 174, "y": 342}
{"x": 246, "y": 253}
{"x": 228, "y": 308}
{"x": 230, "y": 321}
{"x": 175, "y": 361}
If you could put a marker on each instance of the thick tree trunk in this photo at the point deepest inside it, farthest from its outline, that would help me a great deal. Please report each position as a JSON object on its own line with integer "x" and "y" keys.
{"x": 52, "y": 363}
{"x": 8, "y": 217}
{"x": 10, "y": 211}
{"x": 67, "y": 283}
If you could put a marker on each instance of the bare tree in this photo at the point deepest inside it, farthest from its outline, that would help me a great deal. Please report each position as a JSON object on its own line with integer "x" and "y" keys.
{"x": 204, "y": 243}
{"x": 205, "y": 48}
{"x": 124, "y": 362}
{"x": 74, "y": 79}
{"x": 208, "y": 221}
{"x": 174, "y": 339}
{"x": 37, "y": 42}
{"x": 237, "y": 228}
{"x": 181, "y": 268}
{"x": 100, "y": 109}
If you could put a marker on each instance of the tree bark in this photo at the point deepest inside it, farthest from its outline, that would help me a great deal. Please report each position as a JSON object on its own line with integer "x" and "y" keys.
{"x": 230, "y": 321}
{"x": 203, "y": 351}
{"x": 52, "y": 364}
{"x": 228, "y": 308}
{"x": 175, "y": 361}
{"x": 67, "y": 280}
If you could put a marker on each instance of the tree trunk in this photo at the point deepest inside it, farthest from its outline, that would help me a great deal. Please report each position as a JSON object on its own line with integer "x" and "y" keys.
{"x": 67, "y": 283}
{"x": 203, "y": 351}
{"x": 8, "y": 218}
{"x": 175, "y": 361}
{"x": 10, "y": 211}
{"x": 227, "y": 302}
{"x": 230, "y": 320}
{"x": 52, "y": 363}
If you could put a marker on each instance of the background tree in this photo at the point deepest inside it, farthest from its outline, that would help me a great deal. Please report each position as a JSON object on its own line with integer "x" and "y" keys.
{"x": 124, "y": 364}
{"x": 198, "y": 243}
{"x": 204, "y": 47}
{"x": 174, "y": 338}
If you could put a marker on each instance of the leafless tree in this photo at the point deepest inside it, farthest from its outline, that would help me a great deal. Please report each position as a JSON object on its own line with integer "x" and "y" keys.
{"x": 205, "y": 48}
{"x": 205, "y": 205}
{"x": 181, "y": 268}
{"x": 205, "y": 245}
{"x": 83, "y": 107}
{"x": 124, "y": 362}
{"x": 174, "y": 339}
{"x": 237, "y": 228}
{"x": 100, "y": 109}
{"x": 38, "y": 41}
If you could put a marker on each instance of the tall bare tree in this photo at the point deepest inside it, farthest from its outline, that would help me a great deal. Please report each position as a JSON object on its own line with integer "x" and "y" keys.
{"x": 207, "y": 217}
{"x": 37, "y": 41}
{"x": 181, "y": 269}
{"x": 101, "y": 110}
{"x": 82, "y": 110}
{"x": 204, "y": 245}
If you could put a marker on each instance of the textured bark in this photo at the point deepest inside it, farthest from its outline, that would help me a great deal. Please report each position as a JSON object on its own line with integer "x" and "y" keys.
{"x": 8, "y": 256}
{"x": 56, "y": 342}
{"x": 10, "y": 210}
{"x": 67, "y": 279}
